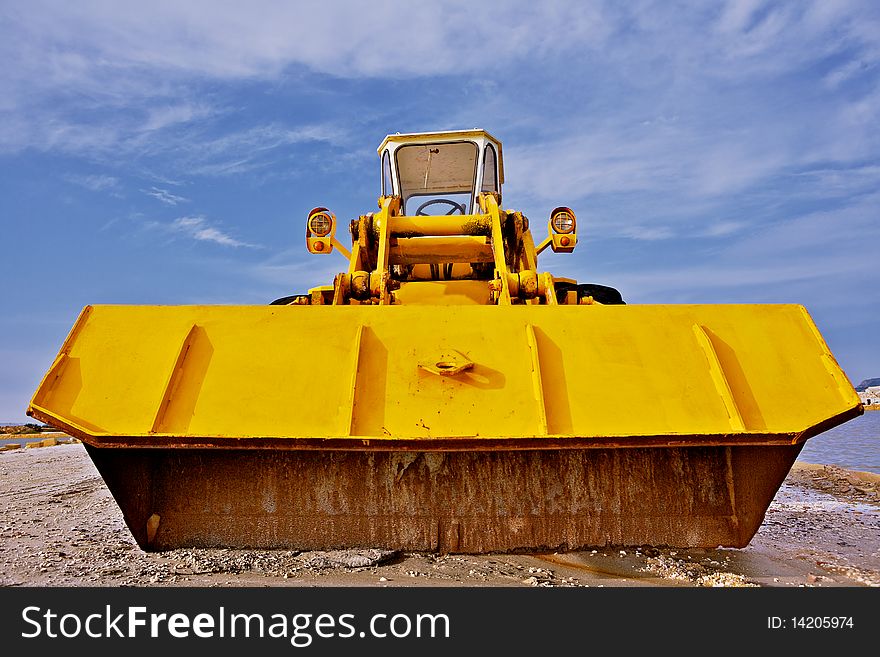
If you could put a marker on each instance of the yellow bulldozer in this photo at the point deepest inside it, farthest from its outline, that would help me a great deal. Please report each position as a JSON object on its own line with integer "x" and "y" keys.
{"x": 444, "y": 394}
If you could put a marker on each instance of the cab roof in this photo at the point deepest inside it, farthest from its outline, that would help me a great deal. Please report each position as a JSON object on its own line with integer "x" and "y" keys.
{"x": 445, "y": 136}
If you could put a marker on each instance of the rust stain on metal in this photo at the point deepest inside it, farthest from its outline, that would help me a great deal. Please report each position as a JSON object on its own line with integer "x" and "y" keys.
{"x": 447, "y": 502}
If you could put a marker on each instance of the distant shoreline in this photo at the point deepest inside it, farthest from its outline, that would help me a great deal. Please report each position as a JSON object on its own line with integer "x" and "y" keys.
{"x": 871, "y": 478}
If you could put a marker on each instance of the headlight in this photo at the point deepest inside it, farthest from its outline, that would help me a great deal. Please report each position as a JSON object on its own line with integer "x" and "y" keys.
{"x": 320, "y": 224}
{"x": 562, "y": 220}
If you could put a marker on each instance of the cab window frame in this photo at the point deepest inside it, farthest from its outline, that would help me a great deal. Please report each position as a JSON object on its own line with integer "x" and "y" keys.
{"x": 386, "y": 174}
{"x": 495, "y": 184}
{"x": 471, "y": 192}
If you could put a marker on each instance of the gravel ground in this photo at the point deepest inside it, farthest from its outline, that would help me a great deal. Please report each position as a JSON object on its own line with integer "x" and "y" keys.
{"x": 59, "y": 526}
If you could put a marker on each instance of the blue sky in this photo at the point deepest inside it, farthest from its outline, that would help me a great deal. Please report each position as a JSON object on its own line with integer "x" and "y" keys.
{"x": 168, "y": 152}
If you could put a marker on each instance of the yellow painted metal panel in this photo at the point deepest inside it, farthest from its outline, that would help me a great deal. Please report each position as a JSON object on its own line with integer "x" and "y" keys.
{"x": 443, "y": 293}
{"x": 352, "y": 372}
{"x": 437, "y": 226}
{"x": 415, "y": 250}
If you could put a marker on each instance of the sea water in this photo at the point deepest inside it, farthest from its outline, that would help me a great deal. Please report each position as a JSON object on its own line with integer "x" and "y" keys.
{"x": 854, "y": 445}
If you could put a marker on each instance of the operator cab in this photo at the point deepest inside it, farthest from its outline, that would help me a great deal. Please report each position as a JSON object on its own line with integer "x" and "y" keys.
{"x": 441, "y": 236}
{"x": 440, "y": 173}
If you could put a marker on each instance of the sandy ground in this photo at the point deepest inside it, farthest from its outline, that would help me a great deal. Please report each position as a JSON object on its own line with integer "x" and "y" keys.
{"x": 59, "y": 526}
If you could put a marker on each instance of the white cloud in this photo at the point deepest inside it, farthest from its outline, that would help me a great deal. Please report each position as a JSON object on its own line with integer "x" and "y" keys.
{"x": 94, "y": 182}
{"x": 248, "y": 149}
{"x": 228, "y": 39}
{"x": 851, "y": 233}
{"x": 722, "y": 228}
{"x": 93, "y": 75}
{"x": 233, "y": 40}
{"x": 754, "y": 27}
{"x": 163, "y": 116}
{"x": 828, "y": 182}
{"x": 297, "y": 270}
{"x": 165, "y": 180}
{"x": 164, "y": 196}
{"x": 737, "y": 15}
{"x": 847, "y": 71}
{"x": 680, "y": 76}
{"x": 616, "y": 156}
{"x": 198, "y": 228}
{"x": 647, "y": 233}
{"x": 817, "y": 254}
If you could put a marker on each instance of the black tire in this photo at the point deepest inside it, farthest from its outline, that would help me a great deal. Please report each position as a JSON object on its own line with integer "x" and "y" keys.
{"x": 284, "y": 301}
{"x": 608, "y": 296}
{"x": 562, "y": 289}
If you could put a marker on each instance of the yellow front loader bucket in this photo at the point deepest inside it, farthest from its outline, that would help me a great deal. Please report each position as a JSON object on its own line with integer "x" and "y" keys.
{"x": 463, "y": 428}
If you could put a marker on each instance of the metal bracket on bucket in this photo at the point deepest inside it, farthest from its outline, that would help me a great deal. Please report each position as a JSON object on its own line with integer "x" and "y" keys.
{"x": 448, "y": 363}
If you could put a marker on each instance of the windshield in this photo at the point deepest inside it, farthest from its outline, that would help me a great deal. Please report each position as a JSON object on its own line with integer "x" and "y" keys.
{"x": 437, "y": 179}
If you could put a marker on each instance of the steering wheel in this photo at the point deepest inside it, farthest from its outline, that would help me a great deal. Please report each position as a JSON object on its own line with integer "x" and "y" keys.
{"x": 443, "y": 201}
